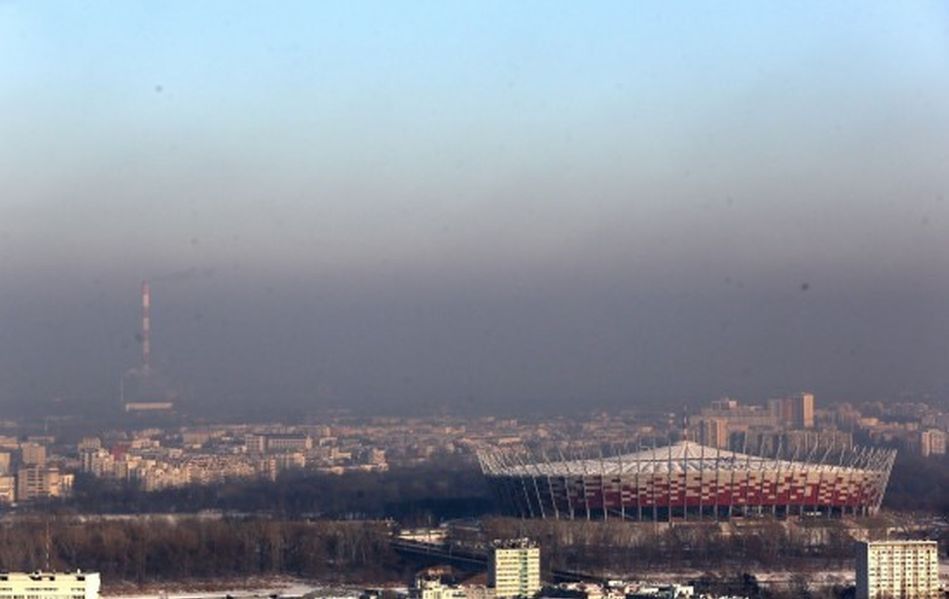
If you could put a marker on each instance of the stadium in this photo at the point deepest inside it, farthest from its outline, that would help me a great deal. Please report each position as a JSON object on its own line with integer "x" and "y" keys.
{"x": 686, "y": 481}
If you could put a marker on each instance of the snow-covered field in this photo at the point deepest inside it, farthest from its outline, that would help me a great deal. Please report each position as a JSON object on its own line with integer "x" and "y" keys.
{"x": 249, "y": 589}
{"x": 291, "y": 587}
{"x": 816, "y": 578}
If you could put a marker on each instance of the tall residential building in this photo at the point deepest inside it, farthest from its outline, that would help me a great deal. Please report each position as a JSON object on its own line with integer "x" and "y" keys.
{"x": 802, "y": 410}
{"x": 32, "y": 454}
{"x": 41, "y": 482}
{"x": 739, "y": 417}
{"x": 7, "y": 489}
{"x": 90, "y": 443}
{"x": 713, "y": 432}
{"x": 795, "y": 411}
{"x": 514, "y": 568}
{"x": 47, "y": 585}
{"x": 907, "y": 569}
{"x": 932, "y": 442}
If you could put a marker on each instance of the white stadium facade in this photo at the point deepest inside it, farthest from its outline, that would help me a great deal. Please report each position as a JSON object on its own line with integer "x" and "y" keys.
{"x": 687, "y": 481}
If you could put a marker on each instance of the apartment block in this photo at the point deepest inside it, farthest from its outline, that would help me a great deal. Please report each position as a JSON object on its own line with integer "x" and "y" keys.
{"x": 48, "y": 585}
{"x": 514, "y": 568}
{"x": 897, "y": 569}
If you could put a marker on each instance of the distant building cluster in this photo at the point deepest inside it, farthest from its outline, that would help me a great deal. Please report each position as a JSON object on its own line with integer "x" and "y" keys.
{"x": 514, "y": 571}
{"x": 159, "y": 460}
{"x": 794, "y": 421}
{"x": 787, "y": 423}
{"x": 164, "y": 457}
{"x": 794, "y": 412}
{"x": 915, "y": 426}
{"x": 26, "y": 473}
{"x": 790, "y": 428}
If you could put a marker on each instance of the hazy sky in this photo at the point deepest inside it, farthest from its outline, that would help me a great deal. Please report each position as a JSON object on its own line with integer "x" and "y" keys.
{"x": 510, "y": 204}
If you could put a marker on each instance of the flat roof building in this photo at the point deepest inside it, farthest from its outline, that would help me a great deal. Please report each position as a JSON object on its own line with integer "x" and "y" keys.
{"x": 907, "y": 569}
{"x": 433, "y": 588}
{"x": 514, "y": 568}
{"x": 49, "y": 585}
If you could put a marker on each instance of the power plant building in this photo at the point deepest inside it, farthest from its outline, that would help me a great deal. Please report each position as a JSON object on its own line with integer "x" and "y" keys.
{"x": 142, "y": 390}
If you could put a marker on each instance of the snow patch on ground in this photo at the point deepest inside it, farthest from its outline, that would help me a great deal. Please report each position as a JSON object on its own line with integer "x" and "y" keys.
{"x": 248, "y": 589}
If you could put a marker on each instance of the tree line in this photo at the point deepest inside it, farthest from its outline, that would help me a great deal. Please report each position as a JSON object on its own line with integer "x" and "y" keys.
{"x": 442, "y": 489}
{"x": 616, "y": 547}
{"x": 162, "y": 548}
{"x": 417, "y": 495}
{"x": 918, "y": 484}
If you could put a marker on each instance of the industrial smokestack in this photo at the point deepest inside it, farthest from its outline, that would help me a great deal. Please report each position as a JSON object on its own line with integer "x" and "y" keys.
{"x": 146, "y": 327}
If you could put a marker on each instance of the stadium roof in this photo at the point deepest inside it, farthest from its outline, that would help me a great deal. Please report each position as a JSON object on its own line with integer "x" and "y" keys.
{"x": 679, "y": 457}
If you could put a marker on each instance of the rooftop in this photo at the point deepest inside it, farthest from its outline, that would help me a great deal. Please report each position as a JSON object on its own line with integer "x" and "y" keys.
{"x": 679, "y": 457}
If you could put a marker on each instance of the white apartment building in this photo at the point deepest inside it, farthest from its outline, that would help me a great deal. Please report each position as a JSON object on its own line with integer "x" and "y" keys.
{"x": 49, "y": 585}
{"x": 7, "y": 489}
{"x": 932, "y": 442}
{"x": 432, "y": 588}
{"x": 32, "y": 454}
{"x": 41, "y": 482}
{"x": 898, "y": 569}
{"x": 514, "y": 568}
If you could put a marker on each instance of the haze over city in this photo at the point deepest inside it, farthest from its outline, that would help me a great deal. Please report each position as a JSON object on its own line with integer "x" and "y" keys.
{"x": 476, "y": 207}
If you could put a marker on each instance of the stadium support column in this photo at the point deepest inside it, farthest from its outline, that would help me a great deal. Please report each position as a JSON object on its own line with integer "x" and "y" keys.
{"x": 761, "y": 473}
{"x": 536, "y": 475}
{"x": 777, "y": 478}
{"x": 566, "y": 483}
{"x": 793, "y": 480}
{"x": 747, "y": 474}
{"x": 619, "y": 479}
{"x": 603, "y": 485}
{"x": 550, "y": 487}
{"x": 848, "y": 489}
{"x": 702, "y": 486}
{"x": 653, "y": 478}
{"x": 853, "y": 498}
{"x": 685, "y": 482}
{"x": 639, "y": 499}
{"x": 524, "y": 473}
{"x": 820, "y": 479}
{"x": 884, "y": 480}
{"x": 871, "y": 468}
{"x": 603, "y": 503}
{"x": 516, "y": 495}
{"x": 583, "y": 485}
{"x": 718, "y": 476}
{"x": 809, "y": 460}
{"x": 669, "y": 487}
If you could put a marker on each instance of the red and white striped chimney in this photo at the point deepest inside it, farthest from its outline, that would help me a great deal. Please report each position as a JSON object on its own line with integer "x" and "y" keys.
{"x": 146, "y": 326}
